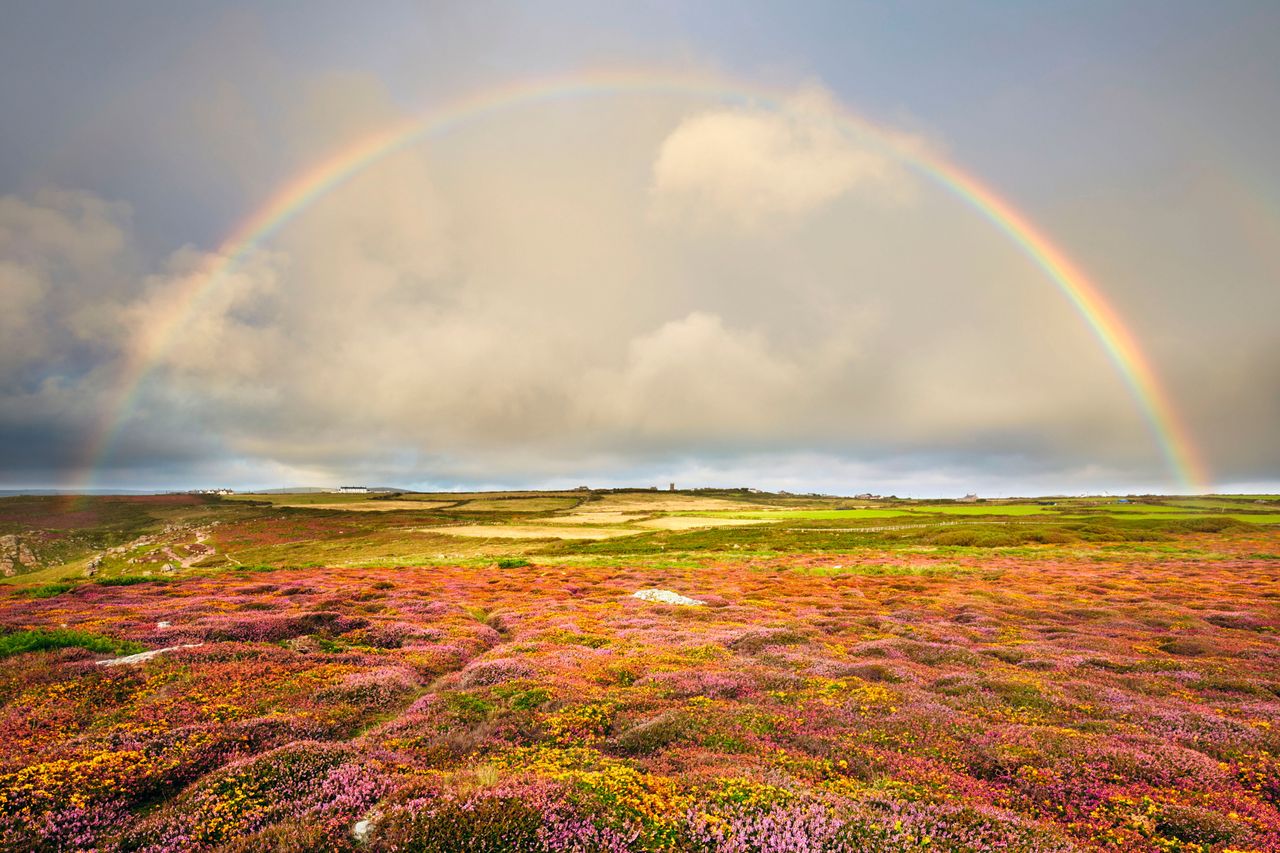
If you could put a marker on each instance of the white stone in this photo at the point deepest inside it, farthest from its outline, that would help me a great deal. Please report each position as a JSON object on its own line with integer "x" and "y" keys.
{"x": 144, "y": 656}
{"x": 666, "y": 596}
{"x": 162, "y": 624}
{"x": 361, "y": 830}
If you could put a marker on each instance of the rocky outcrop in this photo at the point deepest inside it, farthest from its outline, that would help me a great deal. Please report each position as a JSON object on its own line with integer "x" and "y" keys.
{"x": 16, "y": 556}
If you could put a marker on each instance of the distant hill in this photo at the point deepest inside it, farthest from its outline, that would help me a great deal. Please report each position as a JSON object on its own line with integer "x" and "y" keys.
{"x": 12, "y": 493}
{"x": 312, "y": 490}
{"x": 289, "y": 490}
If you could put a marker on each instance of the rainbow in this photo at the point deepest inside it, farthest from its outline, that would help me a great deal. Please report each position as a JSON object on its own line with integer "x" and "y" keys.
{"x": 189, "y": 296}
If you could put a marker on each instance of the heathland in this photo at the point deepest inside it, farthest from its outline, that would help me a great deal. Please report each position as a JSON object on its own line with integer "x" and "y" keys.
{"x": 473, "y": 672}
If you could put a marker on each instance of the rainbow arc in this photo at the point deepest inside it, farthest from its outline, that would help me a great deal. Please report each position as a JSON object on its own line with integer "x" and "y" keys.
{"x": 321, "y": 178}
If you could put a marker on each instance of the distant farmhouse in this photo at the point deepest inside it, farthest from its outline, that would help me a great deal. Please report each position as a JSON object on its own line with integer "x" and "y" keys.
{"x": 967, "y": 499}
{"x": 213, "y": 492}
{"x": 353, "y": 490}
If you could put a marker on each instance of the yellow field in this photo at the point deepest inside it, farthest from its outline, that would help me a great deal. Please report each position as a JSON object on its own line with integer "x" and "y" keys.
{"x": 666, "y": 502}
{"x": 520, "y": 504}
{"x": 530, "y": 531}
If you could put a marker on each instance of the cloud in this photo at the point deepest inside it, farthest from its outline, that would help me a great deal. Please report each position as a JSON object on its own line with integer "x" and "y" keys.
{"x": 524, "y": 301}
{"x": 693, "y": 375}
{"x": 756, "y": 167}
{"x": 62, "y": 254}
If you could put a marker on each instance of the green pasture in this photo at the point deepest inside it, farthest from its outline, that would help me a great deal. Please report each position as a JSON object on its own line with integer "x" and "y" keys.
{"x": 1222, "y": 503}
{"x": 1176, "y": 513}
{"x": 788, "y": 514}
{"x": 249, "y": 529}
{"x": 1131, "y": 508}
{"x": 988, "y": 509}
{"x": 1250, "y": 517}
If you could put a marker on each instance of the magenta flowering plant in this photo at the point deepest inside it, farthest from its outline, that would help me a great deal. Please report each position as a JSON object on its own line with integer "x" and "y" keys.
{"x": 1048, "y": 700}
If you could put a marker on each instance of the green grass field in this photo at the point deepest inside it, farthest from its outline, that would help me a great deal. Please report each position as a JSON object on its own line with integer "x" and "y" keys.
{"x": 988, "y": 509}
{"x": 69, "y": 540}
{"x": 820, "y": 514}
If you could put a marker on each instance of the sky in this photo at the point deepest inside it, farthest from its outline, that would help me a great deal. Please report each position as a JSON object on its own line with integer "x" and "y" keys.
{"x": 639, "y": 284}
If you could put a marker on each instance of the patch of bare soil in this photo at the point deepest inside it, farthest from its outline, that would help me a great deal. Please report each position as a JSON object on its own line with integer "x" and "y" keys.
{"x": 602, "y": 517}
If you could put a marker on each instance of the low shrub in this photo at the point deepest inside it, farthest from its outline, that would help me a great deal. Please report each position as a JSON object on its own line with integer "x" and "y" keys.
{"x": 490, "y": 672}
{"x": 649, "y": 736}
{"x": 375, "y": 688}
{"x": 486, "y": 824}
{"x": 874, "y": 672}
{"x": 1184, "y": 647}
{"x": 754, "y": 640}
{"x": 274, "y": 628}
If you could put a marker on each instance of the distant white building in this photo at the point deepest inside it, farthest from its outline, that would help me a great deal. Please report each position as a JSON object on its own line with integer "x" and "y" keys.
{"x": 353, "y": 490}
{"x": 967, "y": 499}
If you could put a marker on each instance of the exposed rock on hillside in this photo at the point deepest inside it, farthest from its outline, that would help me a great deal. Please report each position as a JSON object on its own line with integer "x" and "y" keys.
{"x": 666, "y": 596}
{"x": 15, "y": 556}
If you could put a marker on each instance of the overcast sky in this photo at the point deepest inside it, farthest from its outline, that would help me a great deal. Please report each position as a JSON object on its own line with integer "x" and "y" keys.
{"x": 639, "y": 287}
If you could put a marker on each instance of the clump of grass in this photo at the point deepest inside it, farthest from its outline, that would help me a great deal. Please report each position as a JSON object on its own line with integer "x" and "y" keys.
{"x": 50, "y": 590}
{"x": 512, "y": 562}
{"x": 527, "y": 700}
{"x": 39, "y": 640}
{"x": 128, "y": 580}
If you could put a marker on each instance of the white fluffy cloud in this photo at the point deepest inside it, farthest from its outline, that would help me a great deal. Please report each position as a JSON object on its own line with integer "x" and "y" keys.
{"x": 693, "y": 375}
{"x": 757, "y": 167}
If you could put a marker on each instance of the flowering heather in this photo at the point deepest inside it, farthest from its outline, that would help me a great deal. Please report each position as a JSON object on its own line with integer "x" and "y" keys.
{"x": 1091, "y": 699}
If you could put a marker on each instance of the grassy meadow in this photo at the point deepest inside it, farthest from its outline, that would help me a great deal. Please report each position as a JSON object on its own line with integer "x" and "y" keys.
{"x": 472, "y": 672}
